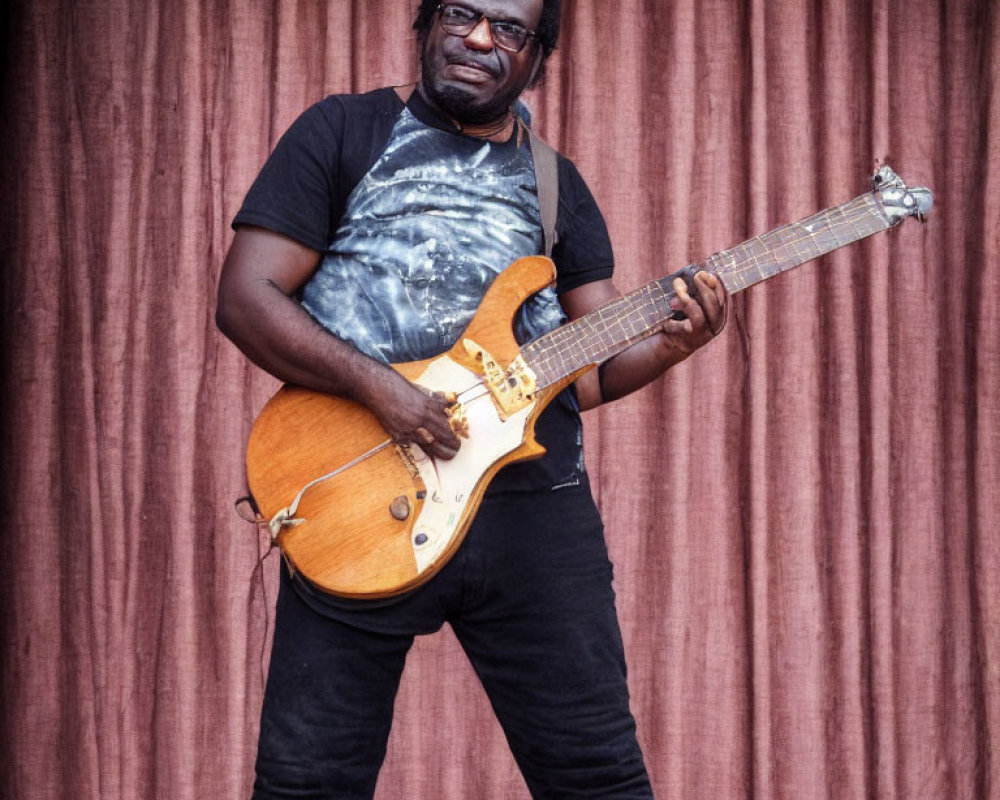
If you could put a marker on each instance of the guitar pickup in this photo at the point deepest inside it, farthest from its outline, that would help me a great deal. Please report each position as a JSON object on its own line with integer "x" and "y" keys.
{"x": 512, "y": 389}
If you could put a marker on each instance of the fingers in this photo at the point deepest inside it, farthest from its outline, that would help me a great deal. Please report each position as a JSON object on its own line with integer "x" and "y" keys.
{"x": 430, "y": 444}
{"x": 424, "y": 437}
{"x": 422, "y": 418}
{"x": 444, "y": 442}
{"x": 713, "y": 299}
{"x": 707, "y": 309}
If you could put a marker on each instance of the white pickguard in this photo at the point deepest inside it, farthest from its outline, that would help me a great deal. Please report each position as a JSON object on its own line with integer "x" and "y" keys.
{"x": 451, "y": 483}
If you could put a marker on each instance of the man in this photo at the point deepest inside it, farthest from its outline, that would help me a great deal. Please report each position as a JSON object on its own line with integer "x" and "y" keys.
{"x": 369, "y": 238}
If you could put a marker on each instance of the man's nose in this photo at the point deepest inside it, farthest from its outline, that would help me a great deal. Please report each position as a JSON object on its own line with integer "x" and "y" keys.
{"x": 480, "y": 37}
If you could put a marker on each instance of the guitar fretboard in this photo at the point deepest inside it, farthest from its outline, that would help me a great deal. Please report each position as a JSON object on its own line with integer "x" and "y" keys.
{"x": 606, "y": 331}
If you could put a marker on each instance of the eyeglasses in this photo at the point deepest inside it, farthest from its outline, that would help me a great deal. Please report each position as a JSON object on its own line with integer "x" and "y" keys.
{"x": 460, "y": 20}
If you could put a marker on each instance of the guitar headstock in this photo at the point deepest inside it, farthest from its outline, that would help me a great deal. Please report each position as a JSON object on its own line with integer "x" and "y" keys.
{"x": 897, "y": 201}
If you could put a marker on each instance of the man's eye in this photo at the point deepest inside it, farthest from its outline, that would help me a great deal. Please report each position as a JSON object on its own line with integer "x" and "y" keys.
{"x": 455, "y": 14}
{"x": 511, "y": 29}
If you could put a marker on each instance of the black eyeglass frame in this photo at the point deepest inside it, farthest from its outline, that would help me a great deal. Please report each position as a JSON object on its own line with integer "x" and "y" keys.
{"x": 465, "y": 29}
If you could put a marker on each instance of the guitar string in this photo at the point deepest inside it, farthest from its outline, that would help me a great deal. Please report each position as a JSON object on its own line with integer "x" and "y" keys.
{"x": 751, "y": 260}
{"x": 286, "y": 516}
{"x": 556, "y": 345}
{"x": 559, "y": 346}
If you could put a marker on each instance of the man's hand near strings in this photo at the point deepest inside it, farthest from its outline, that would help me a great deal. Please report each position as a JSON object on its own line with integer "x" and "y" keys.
{"x": 705, "y": 311}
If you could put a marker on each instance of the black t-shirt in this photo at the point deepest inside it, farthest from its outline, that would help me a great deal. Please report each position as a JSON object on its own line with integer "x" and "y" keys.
{"x": 302, "y": 192}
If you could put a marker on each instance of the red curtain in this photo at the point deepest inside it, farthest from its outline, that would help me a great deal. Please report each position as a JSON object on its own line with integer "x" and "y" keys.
{"x": 803, "y": 517}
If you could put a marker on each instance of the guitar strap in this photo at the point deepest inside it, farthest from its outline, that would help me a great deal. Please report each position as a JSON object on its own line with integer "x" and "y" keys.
{"x": 546, "y": 177}
{"x": 547, "y": 181}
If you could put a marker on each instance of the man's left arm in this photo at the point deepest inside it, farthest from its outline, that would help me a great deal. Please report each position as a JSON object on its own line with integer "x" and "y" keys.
{"x": 706, "y": 311}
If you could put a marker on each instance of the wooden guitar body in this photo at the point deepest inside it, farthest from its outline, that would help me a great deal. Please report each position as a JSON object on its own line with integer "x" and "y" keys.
{"x": 363, "y": 517}
{"x": 390, "y": 516}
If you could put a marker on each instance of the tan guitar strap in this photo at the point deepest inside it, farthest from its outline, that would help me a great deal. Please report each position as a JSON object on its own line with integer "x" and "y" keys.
{"x": 546, "y": 177}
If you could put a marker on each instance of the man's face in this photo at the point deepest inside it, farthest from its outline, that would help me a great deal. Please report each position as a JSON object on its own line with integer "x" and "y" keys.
{"x": 469, "y": 78}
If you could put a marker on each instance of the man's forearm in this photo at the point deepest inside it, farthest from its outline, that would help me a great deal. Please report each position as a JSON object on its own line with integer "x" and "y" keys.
{"x": 646, "y": 360}
{"x": 632, "y": 369}
{"x": 279, "y": 336}
{"x": 257, "y": 312}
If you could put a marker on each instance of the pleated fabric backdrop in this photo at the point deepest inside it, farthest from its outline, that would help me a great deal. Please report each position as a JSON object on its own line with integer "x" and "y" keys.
{"x": 803, "y": 517}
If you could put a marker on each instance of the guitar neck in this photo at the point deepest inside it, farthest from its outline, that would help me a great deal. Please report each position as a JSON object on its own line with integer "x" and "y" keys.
{"x": 606, "y": 331}
{"x": 787, "y": 247}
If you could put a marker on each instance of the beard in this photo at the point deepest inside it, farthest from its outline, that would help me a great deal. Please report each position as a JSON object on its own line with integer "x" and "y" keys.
{"x": 460, "y": 104}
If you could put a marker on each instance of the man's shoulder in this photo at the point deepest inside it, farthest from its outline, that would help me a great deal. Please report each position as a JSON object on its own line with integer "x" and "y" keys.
{"x": 338, "y": 120}
{"x": 376, "y": 102}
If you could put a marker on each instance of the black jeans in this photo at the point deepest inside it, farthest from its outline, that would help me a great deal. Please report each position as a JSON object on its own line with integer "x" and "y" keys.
{"x": 529, "y": 597}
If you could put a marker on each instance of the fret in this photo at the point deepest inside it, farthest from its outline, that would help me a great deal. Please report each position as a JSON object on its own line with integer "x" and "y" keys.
{"x": 853, "y": 213}
{"x": 577, "y": 344}
{"x": 805, "y": 235}
{"x": 852, "y": 221}
{"x": 820, "y": 232}
{"x": 878, "y": 221}
{"x": 814, "y": 230}
{"x": 597, "y": 336}
{"x": 838, "y": 230}
{"x": 714, "y": 263}
{"x": 779, "y": 252}
{"x": 786, "y": 239}
{"x": 761, "y": 258}
{"x": 794, "y": 237}
{"x": 608, "y": 330}
{"x": 725, "y": 265}
{"x": 744, "y": 252}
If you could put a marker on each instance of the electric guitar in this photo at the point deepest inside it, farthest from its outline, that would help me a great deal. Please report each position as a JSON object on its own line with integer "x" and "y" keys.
{"x": 361, "y": 516}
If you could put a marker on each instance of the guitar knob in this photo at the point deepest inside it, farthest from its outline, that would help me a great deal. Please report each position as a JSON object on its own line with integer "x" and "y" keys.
{"x": 400, "y": 507}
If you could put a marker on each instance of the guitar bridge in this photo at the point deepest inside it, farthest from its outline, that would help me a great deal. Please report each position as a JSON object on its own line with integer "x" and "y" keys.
{"x": 512, "y": 389}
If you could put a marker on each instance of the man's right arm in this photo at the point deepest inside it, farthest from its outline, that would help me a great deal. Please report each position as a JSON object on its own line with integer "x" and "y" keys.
{"x": 256, "y": 310}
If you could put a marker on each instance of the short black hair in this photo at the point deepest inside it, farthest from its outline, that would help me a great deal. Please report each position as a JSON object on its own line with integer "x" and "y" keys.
{"x": 548, "y": 26}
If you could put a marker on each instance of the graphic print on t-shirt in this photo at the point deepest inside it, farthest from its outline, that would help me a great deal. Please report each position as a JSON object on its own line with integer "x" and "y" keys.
{"x": 426, "y": 231}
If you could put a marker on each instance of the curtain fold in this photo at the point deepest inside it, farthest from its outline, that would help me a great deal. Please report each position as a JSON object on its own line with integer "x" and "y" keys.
{"x": 803, "y": 517}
